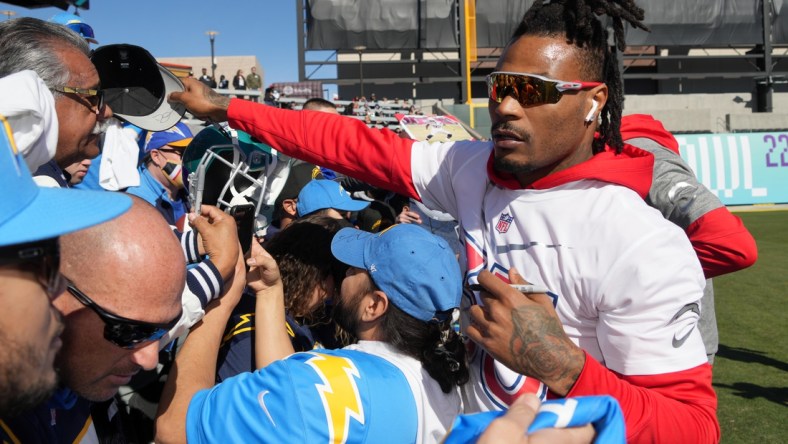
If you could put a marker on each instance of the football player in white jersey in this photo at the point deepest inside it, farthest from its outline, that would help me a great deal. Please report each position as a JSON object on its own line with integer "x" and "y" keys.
{"x": 558, "y": 197}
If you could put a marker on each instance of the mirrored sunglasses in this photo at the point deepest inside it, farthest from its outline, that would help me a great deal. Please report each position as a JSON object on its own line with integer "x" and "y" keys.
{"x": 82, "y": 29}
{"x": 530, "y": 89}
{"x": 123, "y": 332}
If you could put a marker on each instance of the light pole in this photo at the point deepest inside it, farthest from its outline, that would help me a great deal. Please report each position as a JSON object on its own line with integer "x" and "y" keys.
{"x": 8, "y": 14}
{"x": 360, "y": 49}
{"x": 212, "y": 36}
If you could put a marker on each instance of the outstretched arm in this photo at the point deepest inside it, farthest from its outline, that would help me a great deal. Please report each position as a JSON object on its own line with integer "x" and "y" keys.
{"x": 195, "y": 366}
{"x": 270, "y": 337}
{"x": 346, "y": 145}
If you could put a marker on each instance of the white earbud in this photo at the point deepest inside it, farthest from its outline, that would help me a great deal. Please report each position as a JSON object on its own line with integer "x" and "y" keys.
{"x": 590, "y": 116}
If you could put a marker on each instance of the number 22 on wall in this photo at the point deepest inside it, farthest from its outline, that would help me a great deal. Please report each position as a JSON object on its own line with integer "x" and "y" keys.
{"x": 771, "y": 152}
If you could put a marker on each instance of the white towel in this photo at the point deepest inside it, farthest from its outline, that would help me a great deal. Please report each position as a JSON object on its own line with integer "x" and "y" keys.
{"x": 29, "y": 106}
{"x": 119, "y": 158}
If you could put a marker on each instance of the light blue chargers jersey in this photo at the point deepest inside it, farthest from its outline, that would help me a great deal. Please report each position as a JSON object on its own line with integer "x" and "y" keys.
{"x": 342, "y": 396}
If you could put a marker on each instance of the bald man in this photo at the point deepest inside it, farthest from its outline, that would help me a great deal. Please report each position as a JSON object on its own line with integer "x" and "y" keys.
{"x": 125, "y": 280}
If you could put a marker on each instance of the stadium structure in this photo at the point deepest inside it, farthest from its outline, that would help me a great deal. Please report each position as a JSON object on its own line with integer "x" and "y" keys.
{"x": 706, "y": 65}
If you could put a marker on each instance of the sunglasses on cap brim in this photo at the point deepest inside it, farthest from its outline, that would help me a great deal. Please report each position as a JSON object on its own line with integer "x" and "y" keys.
{"x": 43, "y": 257}
{"x": 123, "y": 332}
{"x": 82, "y": 29}
{"x": 530, "y": 89}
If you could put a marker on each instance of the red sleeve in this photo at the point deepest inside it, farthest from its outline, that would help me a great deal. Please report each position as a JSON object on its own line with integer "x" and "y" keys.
{"x": 344, "y": 144}
{"x": 678, "y": 407}
{"x": 722, "y": 243}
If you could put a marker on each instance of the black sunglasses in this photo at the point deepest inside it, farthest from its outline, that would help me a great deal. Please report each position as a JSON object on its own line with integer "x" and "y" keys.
{"x": 124, "y": 332}
{"x": 44, "y": 258}
{"x": 170, "y": 150}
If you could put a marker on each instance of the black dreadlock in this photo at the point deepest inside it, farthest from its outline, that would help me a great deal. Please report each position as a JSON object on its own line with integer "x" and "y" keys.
{"x": 576, "y": 19}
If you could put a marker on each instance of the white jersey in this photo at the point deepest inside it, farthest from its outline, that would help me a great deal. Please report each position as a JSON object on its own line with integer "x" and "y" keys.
{"x": 626, "y": 282}
{"x": 436, "y": 410}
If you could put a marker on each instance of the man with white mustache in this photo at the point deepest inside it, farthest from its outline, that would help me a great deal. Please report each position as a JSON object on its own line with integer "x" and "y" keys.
{"x": 60, "y": 57}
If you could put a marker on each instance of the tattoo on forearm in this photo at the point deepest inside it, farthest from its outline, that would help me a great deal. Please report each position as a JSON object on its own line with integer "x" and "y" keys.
{"x": 541, "y": 349}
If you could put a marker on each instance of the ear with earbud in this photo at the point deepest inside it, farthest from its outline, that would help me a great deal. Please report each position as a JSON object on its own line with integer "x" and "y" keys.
{"x": 591, "y": 114}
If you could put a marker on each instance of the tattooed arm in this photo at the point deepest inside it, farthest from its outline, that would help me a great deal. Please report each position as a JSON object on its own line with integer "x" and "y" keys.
{"x": 524, "y": 333}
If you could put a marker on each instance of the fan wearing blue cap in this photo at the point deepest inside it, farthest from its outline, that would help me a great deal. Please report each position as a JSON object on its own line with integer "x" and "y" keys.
{"x": 398, "y": 383}
{"x": 329, "y": 197}
{"x": 31, "y": 220}
{"x": 416, "y": 270}
{"x": 161, "y": 173}
{"x": 75, "y": 23}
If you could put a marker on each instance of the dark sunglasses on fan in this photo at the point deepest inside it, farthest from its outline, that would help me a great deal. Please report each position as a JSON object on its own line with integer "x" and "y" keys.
{"x": 123, "y": 332}
{"x": 43, "y": 257}
{"x": 530, "y": 89}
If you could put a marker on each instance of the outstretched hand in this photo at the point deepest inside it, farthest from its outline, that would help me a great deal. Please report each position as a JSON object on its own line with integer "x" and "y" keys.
{"x": 271, "y": 339}
{"x": 523, "y": 332}
{"x": 263, "y": 272}
{"x": 203, "y": 102}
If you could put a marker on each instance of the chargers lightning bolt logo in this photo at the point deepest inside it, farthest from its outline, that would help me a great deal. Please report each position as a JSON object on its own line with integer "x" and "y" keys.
{"x": 241, "y": 327}
{"x": 339, "y": 393}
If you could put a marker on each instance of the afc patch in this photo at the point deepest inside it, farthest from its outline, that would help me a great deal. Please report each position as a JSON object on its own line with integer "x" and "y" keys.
{"x": 504, "y": 222}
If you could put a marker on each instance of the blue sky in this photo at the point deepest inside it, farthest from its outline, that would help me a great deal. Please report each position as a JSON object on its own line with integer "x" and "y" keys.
{"x": 169, "y": 28}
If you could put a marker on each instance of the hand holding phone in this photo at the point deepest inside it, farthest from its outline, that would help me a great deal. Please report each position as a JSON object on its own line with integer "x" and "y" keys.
{"x": 244, "y": 220}
{"x": 219, "y": 236}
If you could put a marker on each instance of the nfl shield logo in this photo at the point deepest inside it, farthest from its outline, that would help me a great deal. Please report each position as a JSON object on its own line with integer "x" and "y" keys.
{"x": 504, "y": 222}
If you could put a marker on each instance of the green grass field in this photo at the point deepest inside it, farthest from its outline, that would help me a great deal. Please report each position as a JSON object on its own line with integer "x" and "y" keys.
{"x": 751, "y": 368}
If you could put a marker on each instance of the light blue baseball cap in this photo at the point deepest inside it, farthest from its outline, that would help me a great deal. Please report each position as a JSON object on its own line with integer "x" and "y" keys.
{"x": 75, "y": 23}
{"x": 31, "y": 213}
{"x": 320, "y": 194}
{"x": 417, "y": 270}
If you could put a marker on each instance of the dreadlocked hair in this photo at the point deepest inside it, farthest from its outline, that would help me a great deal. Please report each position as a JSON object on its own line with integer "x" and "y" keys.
{"x": 439, "y": 348}
{"x": 577, "y": 21}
